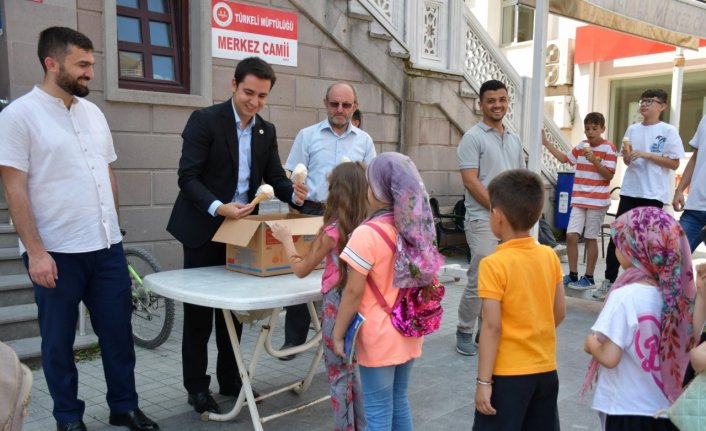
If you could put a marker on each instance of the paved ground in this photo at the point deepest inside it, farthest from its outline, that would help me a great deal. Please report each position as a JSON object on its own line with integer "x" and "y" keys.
{"x": 441, "y": 391}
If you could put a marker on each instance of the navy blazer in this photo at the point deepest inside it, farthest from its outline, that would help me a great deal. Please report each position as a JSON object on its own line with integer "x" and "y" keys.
{"x": 208, "y": 170}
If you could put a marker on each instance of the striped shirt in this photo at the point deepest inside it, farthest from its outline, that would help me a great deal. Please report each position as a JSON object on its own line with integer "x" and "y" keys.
{"x": 591, "y": 189}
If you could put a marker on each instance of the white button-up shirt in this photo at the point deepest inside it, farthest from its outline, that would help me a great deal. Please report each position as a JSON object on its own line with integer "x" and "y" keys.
{"x": 65, "y": 153}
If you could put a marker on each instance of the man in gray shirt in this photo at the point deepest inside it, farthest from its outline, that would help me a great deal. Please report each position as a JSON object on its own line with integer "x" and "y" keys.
{"x": 485, "y": 151}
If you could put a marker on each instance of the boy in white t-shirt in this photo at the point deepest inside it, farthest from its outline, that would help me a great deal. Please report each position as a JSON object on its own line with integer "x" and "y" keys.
{"x": 595, "y": 160}
{"x": 650, "y": 150}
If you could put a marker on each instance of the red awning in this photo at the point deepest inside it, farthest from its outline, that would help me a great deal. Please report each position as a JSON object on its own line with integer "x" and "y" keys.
{"x": 595, "y": 44}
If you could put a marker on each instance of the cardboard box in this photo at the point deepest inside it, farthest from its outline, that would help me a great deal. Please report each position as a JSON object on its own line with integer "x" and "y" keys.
{"x": 251, "y": 248}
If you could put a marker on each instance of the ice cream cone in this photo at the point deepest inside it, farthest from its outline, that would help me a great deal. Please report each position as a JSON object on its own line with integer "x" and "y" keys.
{"x": 264, "y": 192}
{"x": 299, "y": 174}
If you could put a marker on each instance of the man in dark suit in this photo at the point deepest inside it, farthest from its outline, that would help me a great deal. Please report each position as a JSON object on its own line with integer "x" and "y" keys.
{"x": 228, "y": 151}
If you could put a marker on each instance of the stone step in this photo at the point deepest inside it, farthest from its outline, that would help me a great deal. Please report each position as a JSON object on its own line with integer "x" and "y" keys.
{"x": 357, "y": 11}
{"x": 8, "y": 235}
{"x": 16, "y": 289}
{"x": 18, "y": 321}
{"x": 29, "y": 349}
{"x": 4, "y": 211}
{"x": 377, "y": 31}
{"x": 11, "y": 261}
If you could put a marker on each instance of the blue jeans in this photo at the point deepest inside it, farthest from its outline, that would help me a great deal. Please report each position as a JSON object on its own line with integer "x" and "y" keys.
{"x": 692, "y": 222}
{"x": 385, "y": 397}
{"x": 99, "y": 279}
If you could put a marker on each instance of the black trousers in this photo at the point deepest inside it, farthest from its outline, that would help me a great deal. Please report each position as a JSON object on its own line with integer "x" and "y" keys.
{"x": 297, "y": 320}
{"x": 198, "y": 324}
{"x": 612, "y": 266}
{"x": 641, "y": 423}
{"x": 525, "y": 403}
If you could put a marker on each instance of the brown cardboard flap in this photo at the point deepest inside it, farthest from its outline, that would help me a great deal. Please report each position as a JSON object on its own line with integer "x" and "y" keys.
{"x": 302, "y": 226}
{"x": 237, "y": 232}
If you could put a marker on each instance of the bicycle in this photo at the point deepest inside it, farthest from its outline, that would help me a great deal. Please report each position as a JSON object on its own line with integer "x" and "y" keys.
{"x": 152, "y": 315}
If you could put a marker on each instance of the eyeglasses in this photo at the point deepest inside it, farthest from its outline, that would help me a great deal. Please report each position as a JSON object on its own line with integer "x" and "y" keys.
{"x": 335, "y": 105}
{"x": 648, "y": 102}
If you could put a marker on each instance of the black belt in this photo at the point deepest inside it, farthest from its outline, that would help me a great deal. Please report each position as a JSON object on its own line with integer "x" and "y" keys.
{"x": 313, "y": 204}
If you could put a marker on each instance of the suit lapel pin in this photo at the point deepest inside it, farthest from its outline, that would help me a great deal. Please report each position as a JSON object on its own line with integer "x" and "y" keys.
{"x": 262, "y": 132}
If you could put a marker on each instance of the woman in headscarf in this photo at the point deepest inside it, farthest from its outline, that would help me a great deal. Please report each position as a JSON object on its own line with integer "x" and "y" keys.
{"x": 400, "y": 219}
{"x": 640, "y": 340}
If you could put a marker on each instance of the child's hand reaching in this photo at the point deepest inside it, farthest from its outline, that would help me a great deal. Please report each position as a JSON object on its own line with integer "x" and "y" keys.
{"x": 280, "y": 231}
{"x": 483, "y": 393}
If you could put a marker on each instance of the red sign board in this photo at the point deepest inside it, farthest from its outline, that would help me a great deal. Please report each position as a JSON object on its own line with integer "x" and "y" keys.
{"x": 239, "y": 31}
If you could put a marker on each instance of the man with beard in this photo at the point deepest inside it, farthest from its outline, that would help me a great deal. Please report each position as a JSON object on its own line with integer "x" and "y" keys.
{"x": 486, "y": 150}
{"x": 55, "y": 155}
{"x": 320, "y": 148}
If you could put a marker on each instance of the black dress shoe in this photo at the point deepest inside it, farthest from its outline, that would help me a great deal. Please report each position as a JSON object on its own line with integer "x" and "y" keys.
{"x": 203, "y": 402}
{"x": 288, "y": 357}
{"x": 134, "y": 419}
{"x": 71, "y": 426}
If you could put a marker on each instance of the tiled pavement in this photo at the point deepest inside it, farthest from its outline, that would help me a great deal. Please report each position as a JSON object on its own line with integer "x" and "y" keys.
{"x": 441, "y": 391}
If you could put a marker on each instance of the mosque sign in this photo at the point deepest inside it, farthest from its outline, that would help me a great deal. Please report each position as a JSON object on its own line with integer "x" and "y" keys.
{"x": 239, "y": 31}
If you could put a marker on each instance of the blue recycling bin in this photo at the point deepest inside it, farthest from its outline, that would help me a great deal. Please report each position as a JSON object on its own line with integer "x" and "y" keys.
{"x": 564, "y": 186}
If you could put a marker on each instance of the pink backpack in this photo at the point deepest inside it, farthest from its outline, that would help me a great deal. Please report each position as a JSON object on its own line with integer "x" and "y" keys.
{"x": 417, "y": 310}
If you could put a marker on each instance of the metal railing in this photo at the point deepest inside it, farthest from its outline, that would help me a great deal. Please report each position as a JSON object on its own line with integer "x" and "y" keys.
{"x": 481, "y": 57}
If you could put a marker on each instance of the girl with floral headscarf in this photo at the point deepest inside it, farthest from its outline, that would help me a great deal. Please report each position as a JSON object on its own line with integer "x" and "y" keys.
{"x": 642, "y": 335}
{"x": 400, "y": 210}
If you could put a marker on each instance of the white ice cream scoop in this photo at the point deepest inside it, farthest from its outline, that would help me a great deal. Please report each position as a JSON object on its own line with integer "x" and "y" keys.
{"x": 299, "y": 174}
{"x": 264, "y": 192}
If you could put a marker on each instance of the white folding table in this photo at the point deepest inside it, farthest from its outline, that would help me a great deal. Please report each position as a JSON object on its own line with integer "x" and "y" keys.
{"x": 234, "y": 292}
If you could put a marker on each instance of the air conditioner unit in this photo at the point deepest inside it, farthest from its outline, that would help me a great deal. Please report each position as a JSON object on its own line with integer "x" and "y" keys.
{"x": 559, "y": 62}
{"x": 561, "y": 110}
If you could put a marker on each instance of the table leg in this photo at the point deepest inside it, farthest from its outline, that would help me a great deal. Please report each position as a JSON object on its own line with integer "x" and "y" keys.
{"x": 245, "y": 375}
{"x": 317, "y": 356}
{"x": 264, "y": 342}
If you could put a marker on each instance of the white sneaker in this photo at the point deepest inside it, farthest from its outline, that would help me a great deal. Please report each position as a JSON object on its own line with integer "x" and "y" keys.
{"x": 602, "y": 291}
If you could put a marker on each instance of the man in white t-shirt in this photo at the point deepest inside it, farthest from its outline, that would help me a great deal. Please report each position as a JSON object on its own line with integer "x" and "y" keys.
{"x": 655, "y": 148}
{"x": 55, "y": 155}
{"x": 693, "y": 220}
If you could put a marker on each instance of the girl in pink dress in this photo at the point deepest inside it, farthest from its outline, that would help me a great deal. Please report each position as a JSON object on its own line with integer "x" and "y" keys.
{"x": 346, "y": 208}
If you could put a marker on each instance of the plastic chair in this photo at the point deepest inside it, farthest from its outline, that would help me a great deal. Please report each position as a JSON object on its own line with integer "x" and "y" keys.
{"x": 450, "y": 224}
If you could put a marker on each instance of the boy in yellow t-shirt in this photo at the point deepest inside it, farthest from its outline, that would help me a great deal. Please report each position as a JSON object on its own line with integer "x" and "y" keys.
{"x": 523, "y": 303}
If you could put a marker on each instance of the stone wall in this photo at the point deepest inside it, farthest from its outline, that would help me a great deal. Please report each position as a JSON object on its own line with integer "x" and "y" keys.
{"x": 425, "y": 121}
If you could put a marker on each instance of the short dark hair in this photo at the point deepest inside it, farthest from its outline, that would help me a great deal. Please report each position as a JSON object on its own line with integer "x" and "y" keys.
{"x": 519, "y": 194}
{"x": 56, "y": 42}
{"x": 254, "y": 66}
{"x": 657, "y": 93}
{"x": 594, "y": 118}
{"x": 492, "y": 85}
{"x": 358, "y": 117}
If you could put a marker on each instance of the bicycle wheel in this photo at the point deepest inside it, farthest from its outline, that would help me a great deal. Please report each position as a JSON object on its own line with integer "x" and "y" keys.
{"x": 152, "y": 315}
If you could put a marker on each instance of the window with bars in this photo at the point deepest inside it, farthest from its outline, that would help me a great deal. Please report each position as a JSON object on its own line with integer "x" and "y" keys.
{"x": 153, "y": 45}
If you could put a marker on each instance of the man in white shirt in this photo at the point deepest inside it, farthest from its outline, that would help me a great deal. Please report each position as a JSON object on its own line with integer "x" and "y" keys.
{"x": 320, "y": 148}
{"x": 55, "y": 155}
{"x": 694, "y": 218}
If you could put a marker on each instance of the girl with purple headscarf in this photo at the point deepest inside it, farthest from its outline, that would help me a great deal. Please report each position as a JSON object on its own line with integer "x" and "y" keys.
{"x": 642, "y": 335}
{"x": 400, "y": 209}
